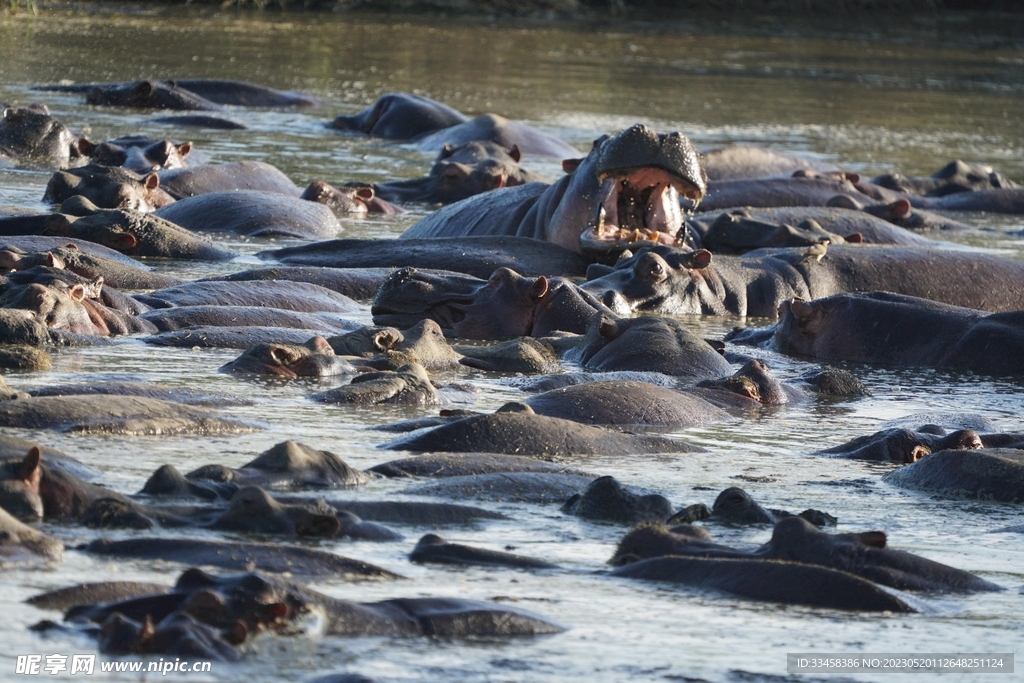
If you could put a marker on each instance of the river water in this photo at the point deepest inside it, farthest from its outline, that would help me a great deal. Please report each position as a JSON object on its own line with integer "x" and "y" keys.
{"x": 904, "y": 95}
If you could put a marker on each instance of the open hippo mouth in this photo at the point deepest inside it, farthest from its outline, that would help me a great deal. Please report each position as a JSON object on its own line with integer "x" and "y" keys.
{"x": 643, "y": 174}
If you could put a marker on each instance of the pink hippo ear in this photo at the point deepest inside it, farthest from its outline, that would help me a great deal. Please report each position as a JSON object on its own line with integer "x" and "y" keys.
{"x": 854, "y": 238}
{"x": 852, "y": 177}
{"x": 126, "y": 241}
{"x": 184, "y": 149}
{"x": 539, "y": 290}
{"x": 700, "y": 259}
{"x": 30, "y": 471}
{"x": 516, "y": 155}
{"x": 320, "y": 345}
{"x": 77, "y": 292}
{"x": 898, "y": 209}
{"x": 151, "y": 181}
{"x": 54, "y": 261}
{"x": 147, "y": 631}
{"x": 570, "y": 165}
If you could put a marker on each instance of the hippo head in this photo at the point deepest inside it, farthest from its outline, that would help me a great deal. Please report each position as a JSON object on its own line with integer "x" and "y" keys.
{"x": 177, "y": 633}
{"x": 462, "y": 171}
{"x": 800, "y": 322}
{"x": 502, "y": 308}
{"x": 366, "y": 341}
{"x": 356, "y": 199}
{"x": 312, "y": 466}
{"x": 906, "y": 445}
{"x": 31, "y": 133}
{"x": 19, "y": 486}
{"x": 659, "y": 279}
{"x": 315, "y": 358}
{"x": 656, "y": 540}
{"x": 12, "y": 258}
{"x": 734, "y": 505}
{"x": 755, "y": 382}
{"x": 251, "y": 509}
{"x": 59, "y": 306}
{"x": 642, "y": 175}
{"x": 608, "y": 500}
{"x": 108, "y": 188}
{"x": 141, "y": 155}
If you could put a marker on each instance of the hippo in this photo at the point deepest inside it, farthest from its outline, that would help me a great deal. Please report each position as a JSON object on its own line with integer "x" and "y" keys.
{"x": 315, "y": 358}
{"x": 242, "y": 94}
{"x": 199, "y": 121}
{"x": 288, "y": 465}
{"x": 899, "y": 211}
{"x": 735, "y": 506}
{"x": 147, "y": 94}
{"x": 24, "y": 357}
{"x": 517, "y": 487}
{"x": 252, "y": 213}
{"x": 132, "y": 233}
{"x": 506, "y": 305}
{"x": 31, "y": 489}
{"x": 178, "y": 633}
{"x": 231, "y": 337}
{"x": 656, "y": 539}
{"x": 354, "y": 199}
{"x": 738, "y": 161}
{"x": 30, "y": 135}
{"x": 434, "y": 549}
{"x": 519, "y": 431}
{"x": 1004, "y": 200}
{"x": 606, "y": 500}
{"x": 182, "y": 317}
{"x": 400, "y": 116}
{"x": 955, "y": 177}
{"x": 99, "y": 414}
{"x": 662, "y": 280}
{"x": 283, "y": 294}
{"x": 523, "y": 356}
{"x": 458, "y": 465}
{"x": 63, "y": 301}
{"x": 185, "y": 395}
{"x": 404, "y": 512}
{"x": 499, "y": 131}
{"x": 847, "y": 327}
{"x": 755, "y": 381}
{"x": 386, "y": 348}
{"x": 108, "y": 187}
{"x": 20, "y": 544}
{"x": 117, "y": 274}
{"x": 904, "y": 446}
{"x": 629, "y": 184}
{"x": 186, "y": 94}
{"x": 260, "y": 602}
{"x": 257, "y": 176}
{"x": 461, "y": 171}
{"x": 773, "y": 192}
{"x": 477, "y": 256}
{"x": 408, "y": 385}
{"x": 648, "y": 344}
{"x": 626, "y": 403}
{"x": 355, "y": 283}
{"x": 995, "y": 474}
{"x": 90, "y": 593}
{"x": 143, "y": 154}
{"x": 276, "y": 558}
{"x": 738, "y": 231}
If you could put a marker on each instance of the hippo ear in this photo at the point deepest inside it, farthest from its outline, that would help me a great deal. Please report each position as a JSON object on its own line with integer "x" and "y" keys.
{"x": 184, "y": 149}
{"x": 446, "y": 151}
{"x": 126, "y": 241}
{"x": 385, "y": 339}
{"x": 283, "y": 355}
{"x": 852, "y": 177}
{"x": 700, "y": 259}
{"x": 83, "y": 147}
{"x": 800, "y": 309}
{"x": 151, "y": 181}
{"x": 320, "y": 345}
{"x": 514, "y": 152}
{"x": 236, "y": 633}
{"x": 539, "y": 290}
{"x": 854, "y": 238}
{"x": 842, "y": 201}
{"x": 53, "y": 261}
{"x": 716, "y": 345}
{"x": 570, "y": 165}
{"x": 30, "y": 470}
{"x": 7, "y": 111}
{"x": 898, "y": 209}
{"x": 77, "y": 292}
{"x": 71, "y": 245}
{"x": 147, "y": 630}
{"x": 874, "y": 539}
{"x": 609, "y": 328}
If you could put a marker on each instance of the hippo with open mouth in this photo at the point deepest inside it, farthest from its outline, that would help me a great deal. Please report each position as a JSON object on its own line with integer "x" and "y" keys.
{"x": 626, "y": 191}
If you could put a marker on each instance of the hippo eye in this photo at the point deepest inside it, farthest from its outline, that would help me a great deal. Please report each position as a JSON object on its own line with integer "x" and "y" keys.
{"x": 657, "y": 269}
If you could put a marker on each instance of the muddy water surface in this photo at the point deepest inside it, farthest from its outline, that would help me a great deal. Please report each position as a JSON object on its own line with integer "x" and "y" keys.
{"x": 908, "y": 97}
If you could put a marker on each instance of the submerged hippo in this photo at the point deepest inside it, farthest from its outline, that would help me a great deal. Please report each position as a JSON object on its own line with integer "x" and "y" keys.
{"x": 315, "y": 358}
{"x": 185, "y": 94}
{"x": 739, "y": 161}
{"x": 517, "y": 430}
{"x": 506, "y": 305}
{"x": 408, "y": 385}
{"x": 21, "y": 544}
{"x": 108, "y": 187}
{"x": 386, "y": 348}
{"x": 281, "y": 294}
{"x": 664, "y": 280}
{"x": 461, "y": 171}
{"x": 30, "y": 135}
{"x": 995, "y": 474}
{"x": 956, "y": 176}
{"x": 435, "y": 550}
{"x": 606, "y": 500}
{"x": 254, "y": 214}
{"x": 400, "y": 116}
{"x": 118, "y": 274}
{"x": 143, "y": 154}
{"x": 917, "y": 332}
{"x": 628, "y": 186}
{"x": 903, "y": 445}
